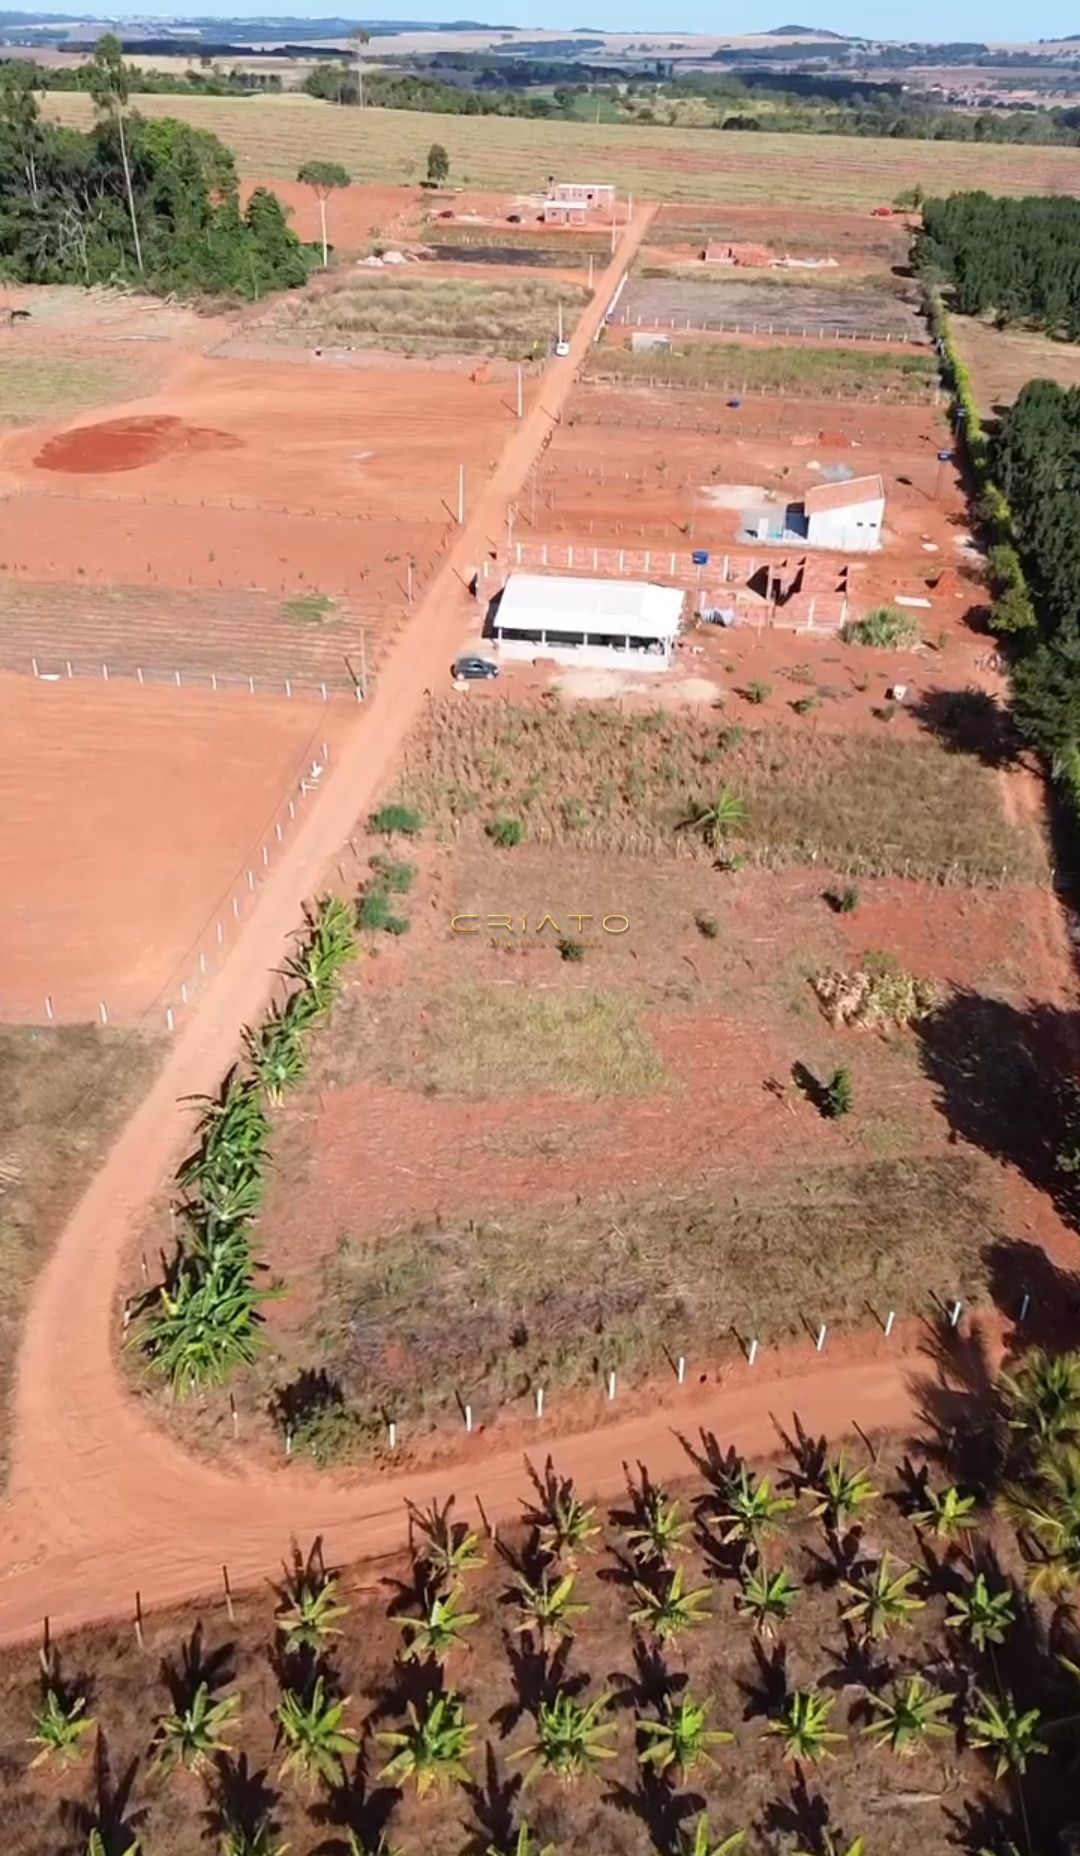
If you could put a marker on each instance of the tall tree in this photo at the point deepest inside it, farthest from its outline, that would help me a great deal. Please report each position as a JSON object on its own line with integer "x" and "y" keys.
{"x": 109, "y": 84}
{"x": 358, "y": 40}
{"x": 324, "y": 177}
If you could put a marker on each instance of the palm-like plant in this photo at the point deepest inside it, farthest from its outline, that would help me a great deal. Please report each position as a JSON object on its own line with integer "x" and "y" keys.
{"x": 830, "y": 1846}
{"x": 883, "y": 1602}
{"x": 524, "y": 1844}
{"x": 907, "y": 1716}
{"x": 767, "y": 1597}
{"x": 441, "y": 1629}
{"x": 449, "y": 1548}
{"x": 547, "y": 1607}
{"x": 803, "y": 1725}
{"x": 382, "y": 1847}
{"x": 946, "y": 1514}
{"x": 669, "y": 1608}
{"x": 700, "y": 1843}
{"x": 1047, "y": 1509}
{"x": 564, "y": 1524}
{"x": 226, "y": 1170}
{"x": 206, "y": 1322}
{"x": 309, "y": 1617}
{"x": 570, "y": 1739}
{"x": 60, "y": 1726}
{"x": 258, "y": 1839}
{"x": 1010, "y": 1736}
{"x": 315, "y": 1740}
{"x": 433, "y": 1745}
{"x": 277, "y": 1050}
{"x": 194, "y": 1735}
{"x": 661, "y": 1531}
{"x": 752, "y": 1511}
{"x": 328, "y": 945}
{"x": 718, "y": 818}
{"x": 980, "y": 1615}
{"x": 841, "y": 1493}
{"x": 1042, "y": 1399}
{"x": 96, "y": 1846}
{"x": 681, "y": 1738}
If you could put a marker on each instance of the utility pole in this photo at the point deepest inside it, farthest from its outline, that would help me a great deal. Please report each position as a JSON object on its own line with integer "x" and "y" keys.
{"x": 520, "y": 396}
{"x": 461, "y": 496}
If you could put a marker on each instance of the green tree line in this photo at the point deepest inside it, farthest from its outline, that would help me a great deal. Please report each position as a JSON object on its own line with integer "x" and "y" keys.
{"x": 1016, "y": 259}
{"x": 150, "y": 203}
{"x": 200, "y": 83}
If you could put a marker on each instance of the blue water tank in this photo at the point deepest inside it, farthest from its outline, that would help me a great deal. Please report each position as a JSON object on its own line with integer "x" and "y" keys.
{"x": 700, "y": 557}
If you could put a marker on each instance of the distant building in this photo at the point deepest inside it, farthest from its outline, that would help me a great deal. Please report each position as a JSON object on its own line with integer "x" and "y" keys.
{"x": 749, "y": 257}
{"x": 564, "y": 212}
{"x": 602, "y": 624}
{"x": 845, "y": 515}
{"x": 588, "y": 193}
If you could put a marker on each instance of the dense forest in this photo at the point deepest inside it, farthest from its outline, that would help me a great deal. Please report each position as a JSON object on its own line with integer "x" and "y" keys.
{"x": 135, "y": 202}
{"x": 1035, "y": 456}
{"x": 204, "y": 81}
{"x": 1016, "y": 259}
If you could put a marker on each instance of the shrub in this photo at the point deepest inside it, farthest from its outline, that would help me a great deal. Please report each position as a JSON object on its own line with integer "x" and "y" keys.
{"x": 838, "y": 1095}
{"x": 397, "y": 818}
{"x": 395, "y": 878}
{"x": 877, "y": 1000}
{"x": 397, "y": 924}
{"x": 572, "y": 950}
{"x": 375, "y": 910}
{"x": 843, "y": 901}
{"x": 708, "y": 926}
{"x": 886, "y": 628}
{"x": 757, "y": 692}
{"x": 506, "y": 832}
{"x": 805, "y": 705}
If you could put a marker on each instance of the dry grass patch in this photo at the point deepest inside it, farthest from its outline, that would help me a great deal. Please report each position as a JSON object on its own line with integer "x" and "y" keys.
{"x": 607, "y": 780}
{"x": 494, "y": 1041}
{"x": 63, "y": 1092}
{"x": 842, "y": 372}
{"x": 32, "y": 388}
{"x": 417, "y": 314}
{"x": 485, "y": 1307}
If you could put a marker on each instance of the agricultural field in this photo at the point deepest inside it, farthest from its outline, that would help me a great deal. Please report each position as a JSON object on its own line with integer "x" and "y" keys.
{"x": 274, "y": 136}
{"x": 793, "y": 1655}
{"x": 812, "y": 371}
{"x": 1001, "y": 361}
{"x": 856, "y": 241}
{"x": 762, "y": 306}
{"x": 32, "y": 389}
{"x": 415, "y": 314}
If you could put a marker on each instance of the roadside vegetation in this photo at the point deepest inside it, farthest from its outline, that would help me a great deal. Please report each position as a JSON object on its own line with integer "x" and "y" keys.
{"x": 831, "y": 1652}
{"x": 857, "y": 804}
{"x": 830, "y": 372}
{"x": 419, "y": 313}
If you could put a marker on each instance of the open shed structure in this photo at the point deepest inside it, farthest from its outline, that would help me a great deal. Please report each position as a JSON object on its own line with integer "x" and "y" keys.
{"x": 598, "y": 623}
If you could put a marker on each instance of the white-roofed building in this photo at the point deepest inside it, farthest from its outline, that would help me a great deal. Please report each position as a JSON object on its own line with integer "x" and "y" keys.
{"x": 846, "y": 515}
{"x": 598, "y": 623}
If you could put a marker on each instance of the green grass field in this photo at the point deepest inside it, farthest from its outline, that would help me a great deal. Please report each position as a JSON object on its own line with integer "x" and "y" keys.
{"x": 273, "y": 136}
{"x": 844, "y": 372}
{"x": 32, "y": 388}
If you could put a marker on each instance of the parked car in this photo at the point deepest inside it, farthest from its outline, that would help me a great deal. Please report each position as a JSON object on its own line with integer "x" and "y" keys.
{"x": 513, "y": 219}
{"x": 562, "y": 349}
{"x": 474, "y": 669}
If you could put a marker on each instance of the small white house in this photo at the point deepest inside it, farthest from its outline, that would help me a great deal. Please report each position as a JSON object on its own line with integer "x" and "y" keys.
{"x": 602, "y": 624}
{"x": 845, "y": 515}
{"x": 592, "y": 193}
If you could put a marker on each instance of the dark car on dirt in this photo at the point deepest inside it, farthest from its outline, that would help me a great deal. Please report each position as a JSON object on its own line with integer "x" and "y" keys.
{"x": 473, "y": 669}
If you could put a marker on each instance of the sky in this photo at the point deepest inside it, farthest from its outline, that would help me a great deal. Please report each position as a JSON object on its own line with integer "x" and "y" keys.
{"x": 991, "y": 21}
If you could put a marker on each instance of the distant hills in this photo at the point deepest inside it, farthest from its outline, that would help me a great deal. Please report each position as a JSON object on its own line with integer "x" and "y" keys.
{"x": 800, "y": 32}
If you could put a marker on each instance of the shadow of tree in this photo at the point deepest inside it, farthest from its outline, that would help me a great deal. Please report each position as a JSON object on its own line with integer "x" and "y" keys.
{"x": 969, "y": 721}
{"x": 111, "y": 1813}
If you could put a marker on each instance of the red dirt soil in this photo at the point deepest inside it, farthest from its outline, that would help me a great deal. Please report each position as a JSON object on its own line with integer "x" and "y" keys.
{"x": 128, "y": 817}
{"x": 354, "y": 215}
{"x": 128, "y": 444}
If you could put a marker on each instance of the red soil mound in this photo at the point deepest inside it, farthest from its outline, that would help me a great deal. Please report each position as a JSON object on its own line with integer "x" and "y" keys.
{"x": 127, "y": 444}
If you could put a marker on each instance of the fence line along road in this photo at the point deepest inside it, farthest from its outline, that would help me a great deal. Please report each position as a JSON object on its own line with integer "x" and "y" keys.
{"x": 52, "y": 670}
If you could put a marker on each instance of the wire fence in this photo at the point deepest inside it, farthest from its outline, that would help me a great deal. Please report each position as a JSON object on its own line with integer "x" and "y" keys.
{"x": 791, "y": 327}
{"x": 52, "y": 669}
{"x": 631, "y": 378}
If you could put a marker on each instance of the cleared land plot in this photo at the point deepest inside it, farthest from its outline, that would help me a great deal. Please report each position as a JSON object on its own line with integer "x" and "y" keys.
{"x": 275, "y": 136}
{"x": 857, "y": 804}
{"x": 793, "y": 370}
{"x": 63, "y": 1090}
{"x": 202, "y": 636}
{"x": 848, "y": 237}
{"x": 1004, "y": 360}
{"x": 769, "y": 308}
{"x": 32, "y": 387}
{"x": 559, "y": 1295}
{"x": 355, "y": 216}
{"x": 414, "y": 315}
{"x": 130, "y": 815}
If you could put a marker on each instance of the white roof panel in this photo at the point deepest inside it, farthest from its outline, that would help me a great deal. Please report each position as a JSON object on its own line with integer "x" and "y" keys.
{"x": 606, "y": 608}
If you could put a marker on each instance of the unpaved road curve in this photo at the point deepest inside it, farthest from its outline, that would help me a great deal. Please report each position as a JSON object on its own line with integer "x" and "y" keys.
{"x": 101, "y": 1504}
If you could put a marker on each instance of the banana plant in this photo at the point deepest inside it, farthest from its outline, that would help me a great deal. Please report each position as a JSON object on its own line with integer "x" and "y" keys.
{"x": 670, "y": 1609}
{"x": 883, "y": 1602}
{"x": 803, "y": 1725}
{"x": 96, "y": 1846}
{"x": 441, "y": 1629}
{"x": 681, "y": 1738}
{"x": 547, "y": 1608}
{"x": 564, "y": 1524}
{"x": 258, "y": 1839}
{"x": 1042, "y": 1399}
{"x": 718, "y": 818}
{"x": 661, "y": 1531}
{"x": 1008, "y": 1734}
{"x": 842, "y": 1493}
{"x": 316, "y": 1742}
{"x": 1047, "y": 1509}
{"x": 195, "y": 1735}
{"x": 309, "y": 1617}
{"x": 907, "y": 1716}
{"x": 700, "y": 1842}
{"x": 767, "y": 1597}
{"x": 947, "y": 1513}
{"x": 981, "y": 1616}
{"x": 329, "y": 943}
{"x": 60, "y": 1726}
{"x": 432, "y": 1747}
{"x": 206, "y": 1323}
{"x": 830, "y": 1846}
{"x": 570, "y": 1739}
{"x": 277, "y": 1050}
{"x": 381, "y": 1848}
{"x": 449, "y": 1548}
{"x": 752, "y": 1511}
{"x": 524, "y": 1844}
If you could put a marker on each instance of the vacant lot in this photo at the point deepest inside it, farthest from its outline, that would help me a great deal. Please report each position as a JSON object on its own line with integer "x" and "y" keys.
{"x": 760, "y": 306}
{"x": 825, "y": 371}
{"x": 275, "y": 136}
{"x": 418, "y": 314}
{"x": 34, "y": 388}
{"x": 852, "y": 803}
{"x": 63, "y": 1093}
{"x": 1004, "y": 360}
